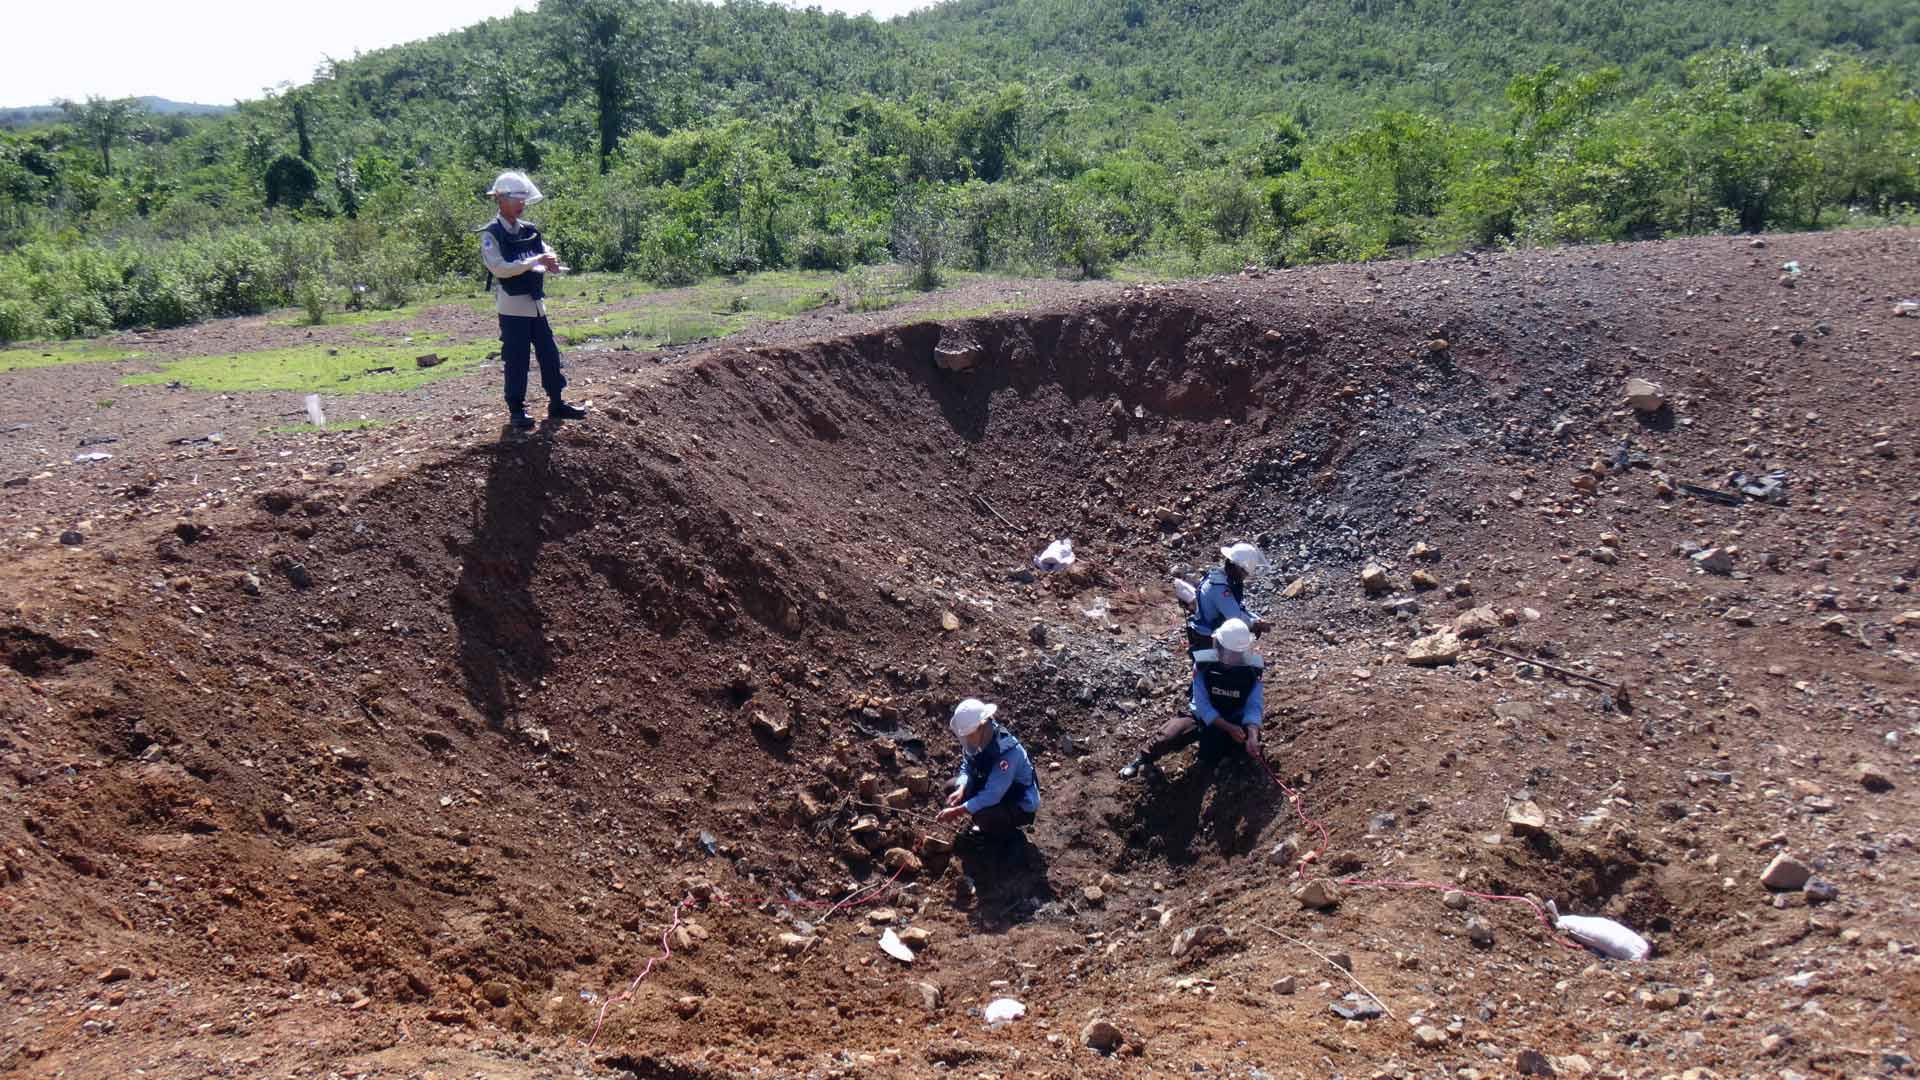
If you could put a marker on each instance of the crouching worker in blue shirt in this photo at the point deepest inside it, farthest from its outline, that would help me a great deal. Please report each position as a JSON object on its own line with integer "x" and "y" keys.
{"x": 1225, "y": 710}
{"x": 1219, "y": 596}
{"x": 996, "y": 786}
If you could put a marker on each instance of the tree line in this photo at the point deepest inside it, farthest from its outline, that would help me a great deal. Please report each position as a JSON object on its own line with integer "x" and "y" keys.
{"x": 678, "y": 140}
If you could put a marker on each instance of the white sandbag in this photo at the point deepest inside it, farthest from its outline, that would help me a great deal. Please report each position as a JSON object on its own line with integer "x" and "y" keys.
{"x": 1183, "y": 591}
{"x": 1001, "y": 1010}
{"x": 315, "y": 413}
{"x": 1058, "y": 556}
{"x": 1604, "y": 936}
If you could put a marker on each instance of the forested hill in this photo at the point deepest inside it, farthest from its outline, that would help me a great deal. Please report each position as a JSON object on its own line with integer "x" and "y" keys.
{"x": 1221, "y": 59}
{"x": 679, "y": 139}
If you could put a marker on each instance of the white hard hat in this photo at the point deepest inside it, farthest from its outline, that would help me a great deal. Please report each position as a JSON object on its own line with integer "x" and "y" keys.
{"x": 970, "y": 714}
{"x": 1234, "y": 636}
{"x": 1244, "y": 556}
{"x": 515, "y": 184}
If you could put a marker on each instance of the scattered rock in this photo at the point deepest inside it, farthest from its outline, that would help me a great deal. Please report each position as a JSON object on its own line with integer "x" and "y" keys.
{"x": 1455, "y": 899}
{"x": 1822, "y": 892}
{"x": 898, "y": 859}
{"x": 1285, "y": 984}
{"x": 1101, "y": 1037}
{"x": 1645, "y": 396}
{"x": 1477, "y": 623}
{"x": 497, "y": 994}
{"x": 116, "y": 973}
{"x": 1526, "y": 818}
{"x": 1355, "y": 1007}
{"x": 1374, "y": 579}
{"x": 1442, "y": 647}
{"x": 1203, "y": 938}
{"x": 1424, "y": 581}
{"x": 1479, "y": 931}
{"x": 1714, "y": 561}
{"x": 1428, "y": 1037}
{"x": 1533, "y": 1063}
{"x": 916, "y": 938}
{"x": 1295, "y": 589}
{"x": 1785, "y": 874}
{"x": 949, "y": 621}
{"x": 1665, "y": 1000}
{"x": 1319, "y": 894}
{"x": 928, "y": 995}
{"x": 73, "y": 538}
{"x": 1037, "y": 633}
{"x": 1873, "y": 778}
{"x": 1094, "y": 894}
{"x": 795, "y": 944}
{"x": 773, "y": 728}
{"x": 429, "y": 360}
{"x": 881, "y": 916}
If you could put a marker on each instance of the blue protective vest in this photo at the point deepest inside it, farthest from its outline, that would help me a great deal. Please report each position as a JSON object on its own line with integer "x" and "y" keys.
{"x": 979, "y": 767}
{"x": 1207, "y": 616}
{"x": 514, "y": 248}
{"x": 1228, "y": 685}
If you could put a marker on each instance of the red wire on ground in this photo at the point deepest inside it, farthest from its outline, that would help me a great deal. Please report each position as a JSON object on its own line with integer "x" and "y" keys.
{"x": 1357, "y": 883}
{"x": 666, "y": 950}
{"x": 666, "y": 936}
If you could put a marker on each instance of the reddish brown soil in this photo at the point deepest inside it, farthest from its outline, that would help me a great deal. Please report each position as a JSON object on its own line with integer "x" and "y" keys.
{"x": 466, "y": 739}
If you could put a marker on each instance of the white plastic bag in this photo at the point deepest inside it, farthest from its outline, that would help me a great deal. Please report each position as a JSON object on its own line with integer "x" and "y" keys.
{"x": 1001, "y": 1010}
{"x": 1604, "y": 936}
{"x": 1184, "y": 592}
{"x": 1058, "y": 556}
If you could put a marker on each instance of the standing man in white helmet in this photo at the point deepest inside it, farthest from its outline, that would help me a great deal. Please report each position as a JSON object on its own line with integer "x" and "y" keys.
{"x": 996, "y": 787}
{"x": 519, "y": 260}
{"x": 1225, "y": 708}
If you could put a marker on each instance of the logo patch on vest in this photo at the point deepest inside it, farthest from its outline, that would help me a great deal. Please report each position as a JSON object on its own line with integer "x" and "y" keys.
{"x": 1005, "y": 764}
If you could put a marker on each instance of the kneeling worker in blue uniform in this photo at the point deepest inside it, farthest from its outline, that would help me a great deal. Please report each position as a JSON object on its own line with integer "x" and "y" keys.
{"x": 996, "y": 787}
{"x": 1225, "y": 710}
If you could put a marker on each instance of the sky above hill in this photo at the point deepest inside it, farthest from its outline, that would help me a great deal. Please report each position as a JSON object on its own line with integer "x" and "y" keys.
{"x": 216, "y": 52}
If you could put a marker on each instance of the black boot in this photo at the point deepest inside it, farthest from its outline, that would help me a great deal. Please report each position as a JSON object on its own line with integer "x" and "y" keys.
{"x": 517, "y": 416}
{"x": 560, "y": 410}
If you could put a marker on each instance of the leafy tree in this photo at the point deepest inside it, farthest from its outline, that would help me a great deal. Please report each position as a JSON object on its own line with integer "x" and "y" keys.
{"x": 290, "y": 182}
{"x": 104, "y": 123}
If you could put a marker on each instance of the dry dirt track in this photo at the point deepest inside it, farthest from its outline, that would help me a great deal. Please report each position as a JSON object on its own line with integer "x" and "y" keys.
{"x": 399, "y": 769}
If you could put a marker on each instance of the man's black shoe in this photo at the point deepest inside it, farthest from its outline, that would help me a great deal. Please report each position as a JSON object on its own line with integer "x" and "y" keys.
{"x": 560, "y": 410}
{"x": 519, "y": 419}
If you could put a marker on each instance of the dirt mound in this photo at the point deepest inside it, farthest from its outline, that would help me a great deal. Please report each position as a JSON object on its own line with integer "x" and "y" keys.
{"x": 420, "y": 774}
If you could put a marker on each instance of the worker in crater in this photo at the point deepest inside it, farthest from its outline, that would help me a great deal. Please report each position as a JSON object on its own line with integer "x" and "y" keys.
{"x": 1220, "y": 596}
{"x": 1225, "y": 708}
{"x": 997, "y": 787}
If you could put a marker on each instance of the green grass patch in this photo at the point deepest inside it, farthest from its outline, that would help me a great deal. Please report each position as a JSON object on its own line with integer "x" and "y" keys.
{"x": 53, "y": 354}
{"x": 995, "y": 308}
{"x": 344, "y": 425}
{"x": 317, "y": 368}
{"x": 711, "y": 309}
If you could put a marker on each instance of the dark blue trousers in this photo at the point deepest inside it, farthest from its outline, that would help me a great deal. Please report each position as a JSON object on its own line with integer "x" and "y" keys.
{"x": 519, "y": 335}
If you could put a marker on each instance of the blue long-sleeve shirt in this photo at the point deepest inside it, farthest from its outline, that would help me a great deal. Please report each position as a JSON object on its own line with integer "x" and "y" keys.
{"x": 995, "y": 772}
{"x": 1203, "y": 703}
{"x": 1214, "y": 603}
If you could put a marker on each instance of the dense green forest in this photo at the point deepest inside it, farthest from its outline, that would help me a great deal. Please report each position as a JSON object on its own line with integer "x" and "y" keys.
{"x": 677, "y": 139}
